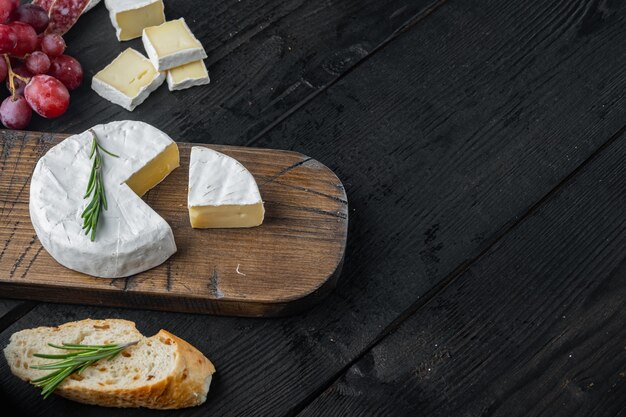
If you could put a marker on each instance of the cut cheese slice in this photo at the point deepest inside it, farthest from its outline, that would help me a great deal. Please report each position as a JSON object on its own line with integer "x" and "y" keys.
{"x": 130, "y": 237}
{"x": 128, "y": 80}
{"x": 188, "y": 75}
{"x": 171, "y": 45}
{"x": 154, "y": 171}
{"x": 222, "y": 192}
{"x": 91, "y": 5}
{"x": 130, "y": 17}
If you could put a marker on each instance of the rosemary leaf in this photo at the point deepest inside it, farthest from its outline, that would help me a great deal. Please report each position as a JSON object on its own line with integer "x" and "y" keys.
{"x": 90, "y": 184}
{"x": 93, "y": 145}
{"x": 83, "y": 347}
{"x": 46, "y": 356}
{"x": 107, "y": 152}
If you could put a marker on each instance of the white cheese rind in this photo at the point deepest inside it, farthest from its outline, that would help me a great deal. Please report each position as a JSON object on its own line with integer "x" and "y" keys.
{"x": 130, "y": 237}
{"x": 216, "y": 179}
{"x": 186, "y": 83}
{"x": 91, "y": 5}
{"x": 175, "y": 59}
{"x": 118, "y": 6}
{"x": 115, "y": 96}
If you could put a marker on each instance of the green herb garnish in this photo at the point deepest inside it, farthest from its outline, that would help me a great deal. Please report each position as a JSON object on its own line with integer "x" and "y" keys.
{"x": 95, "y": 186}
{"x": 80, "y": 358}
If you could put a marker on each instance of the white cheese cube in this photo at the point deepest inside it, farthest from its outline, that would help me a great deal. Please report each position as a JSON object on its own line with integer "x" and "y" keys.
{"x": 128, "y": 80}
{"x": 130, "y": 17}
{"x": 171, "y": 45}
{"x": 188, "y": 75}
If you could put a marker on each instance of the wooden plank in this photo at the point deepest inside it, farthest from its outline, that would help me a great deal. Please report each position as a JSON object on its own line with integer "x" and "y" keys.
{"x": 281, "y": 267}
{"x": 6, "y": 307}
{"x": 444, "y": 138}
{"x": 536, "y": 327}
{"x": 265, "y": 58}
{"x": 12, "y": 310}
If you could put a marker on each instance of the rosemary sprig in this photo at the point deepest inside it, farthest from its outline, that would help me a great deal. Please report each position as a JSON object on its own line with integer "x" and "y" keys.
{"x": 95, "y": 186}
{"x": 80, "y": 358}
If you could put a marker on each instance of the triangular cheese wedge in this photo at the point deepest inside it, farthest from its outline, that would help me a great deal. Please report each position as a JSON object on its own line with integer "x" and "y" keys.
{"x": 130, "y": 237}
{"x": 222, "y": 192}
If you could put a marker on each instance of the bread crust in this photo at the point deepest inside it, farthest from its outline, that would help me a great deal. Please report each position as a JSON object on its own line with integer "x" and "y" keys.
{"x": 188, "y": 384}
{"x": 185, "y": 386}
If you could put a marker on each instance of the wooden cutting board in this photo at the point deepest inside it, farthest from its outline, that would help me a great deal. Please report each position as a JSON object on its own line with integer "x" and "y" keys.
{"x": 279, "y": 268}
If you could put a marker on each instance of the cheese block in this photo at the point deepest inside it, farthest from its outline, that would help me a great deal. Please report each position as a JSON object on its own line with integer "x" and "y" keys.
{"x": 171, "y": 45}
{"x": 130, "y": 237}
{"x": 222, "y": 192}
{"x": 188, "y": 75}
{"x": 128, "y": 80}
{"x": 91, "y": 5}
{"x": 130, "y": 17}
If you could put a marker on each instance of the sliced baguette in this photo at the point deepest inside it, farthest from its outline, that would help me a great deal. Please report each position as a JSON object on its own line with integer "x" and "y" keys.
{"x": 160, "y": 372}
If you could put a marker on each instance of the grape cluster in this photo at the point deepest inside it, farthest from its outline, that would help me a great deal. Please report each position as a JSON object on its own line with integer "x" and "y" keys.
{"x": 38, "y": 75}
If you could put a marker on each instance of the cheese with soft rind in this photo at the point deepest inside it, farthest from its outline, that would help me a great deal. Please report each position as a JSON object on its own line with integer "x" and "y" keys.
{"x": 188, "y": 75}
{"x": 91, "y": 5}
{"x": 222, "y": 192}
{"x": 130, "y": 237}
{"x": 171, "y": 45}
{"x": 130, "y": 17}
{"x": 154, "y": 171}
{"x": 128, "y": 80}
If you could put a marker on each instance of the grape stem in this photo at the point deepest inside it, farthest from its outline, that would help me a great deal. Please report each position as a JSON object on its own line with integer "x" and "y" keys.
{"x": 13, "y": 75}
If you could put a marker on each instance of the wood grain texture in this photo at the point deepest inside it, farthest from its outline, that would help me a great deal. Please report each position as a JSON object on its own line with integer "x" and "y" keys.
{"x": 536, "y": 327}
{"x": 446, "y": 138}
{"x": 443, "y": 139}
{"x": 289, "y": 262}
{"x": 265, "y": 57}
{"x": 7, "y": 305}
{"x": 13, "y": 310}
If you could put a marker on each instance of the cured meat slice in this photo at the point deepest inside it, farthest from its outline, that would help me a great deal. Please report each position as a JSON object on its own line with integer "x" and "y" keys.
{"x": 45, "y": 4}
{"x": 63, "y": 14}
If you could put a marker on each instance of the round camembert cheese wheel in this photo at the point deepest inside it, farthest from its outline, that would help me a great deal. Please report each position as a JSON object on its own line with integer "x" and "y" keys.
{"x": 130, "y": 237}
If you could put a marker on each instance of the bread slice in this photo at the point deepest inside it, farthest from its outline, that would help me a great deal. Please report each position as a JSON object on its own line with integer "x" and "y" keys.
{"x": 160, "y": 372}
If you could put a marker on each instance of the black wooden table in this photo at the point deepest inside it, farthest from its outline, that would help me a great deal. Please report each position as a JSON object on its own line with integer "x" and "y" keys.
{"x": 483, "y": 149}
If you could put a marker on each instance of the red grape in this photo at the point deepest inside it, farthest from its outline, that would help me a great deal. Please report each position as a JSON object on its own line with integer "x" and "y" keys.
{"x": 26, "y": 38}
{"x": 52, "y": 45}
{"x": 6, "y": 8}
{"x": 8, "y": 39}
{"x": 37, "y": 63}
{"x": 47, "y": 96}
{"x": 33, "y": 15}
{"x": 15, "y": 113}
{"x": 67, "y": 70}
{"x": 3, "y": 69}
{"x": 19, "y": 84}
